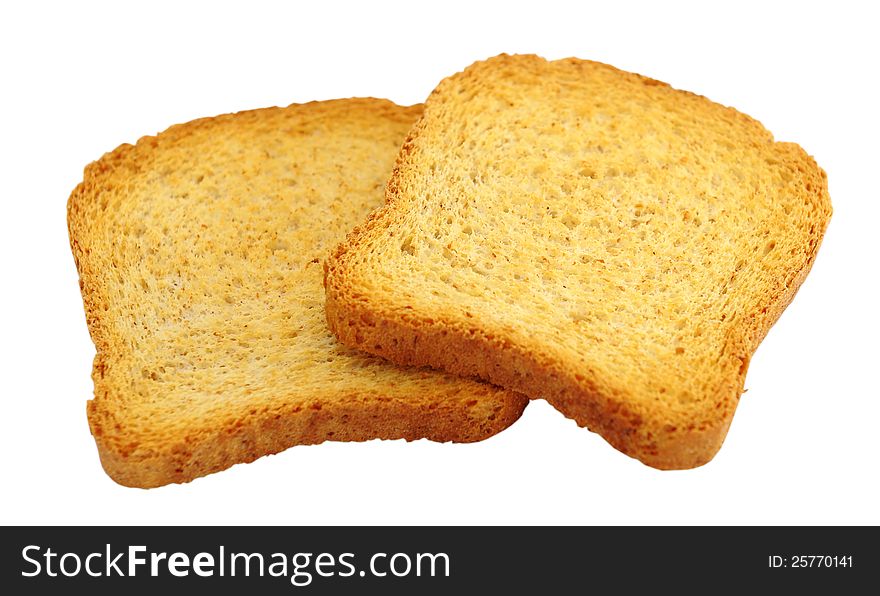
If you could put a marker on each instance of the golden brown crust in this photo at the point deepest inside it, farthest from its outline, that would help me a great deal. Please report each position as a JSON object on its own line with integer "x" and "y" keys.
{"x": 270, "y": 432}
{"x": 143, "y": 445}
{"x": 389, "y": 326}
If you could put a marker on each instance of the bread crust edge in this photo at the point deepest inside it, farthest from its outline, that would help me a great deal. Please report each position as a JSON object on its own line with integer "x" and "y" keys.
{"x": 211, "y": 450}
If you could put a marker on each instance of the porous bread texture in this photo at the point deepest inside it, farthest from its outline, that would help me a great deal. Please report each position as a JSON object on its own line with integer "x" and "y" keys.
{"x": 589, "y": 236}
{"x": 200, "y": 258}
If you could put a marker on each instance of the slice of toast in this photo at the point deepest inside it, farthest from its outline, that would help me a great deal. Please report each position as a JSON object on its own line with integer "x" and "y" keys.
{"x": 588, "y": 236}
{"x": 200, "y": 259}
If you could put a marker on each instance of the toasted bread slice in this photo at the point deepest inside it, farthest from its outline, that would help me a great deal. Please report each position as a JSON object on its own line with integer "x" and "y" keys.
{"x": 588, "y": 236}
{"x": 200, "y": 258}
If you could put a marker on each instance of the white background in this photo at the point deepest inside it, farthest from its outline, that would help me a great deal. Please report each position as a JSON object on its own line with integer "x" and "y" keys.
{"x": 78, "y": 79}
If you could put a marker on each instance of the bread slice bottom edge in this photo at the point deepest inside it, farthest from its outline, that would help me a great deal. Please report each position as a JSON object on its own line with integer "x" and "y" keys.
{"x": 414, "y": 341}
{"x": 476, "y": 355}
{"x": 266, "y": 433}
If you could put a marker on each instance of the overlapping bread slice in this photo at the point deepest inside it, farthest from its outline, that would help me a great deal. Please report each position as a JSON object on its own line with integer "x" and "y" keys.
{"x": 200, "y": 258}
{"x": 588, "y": 236}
